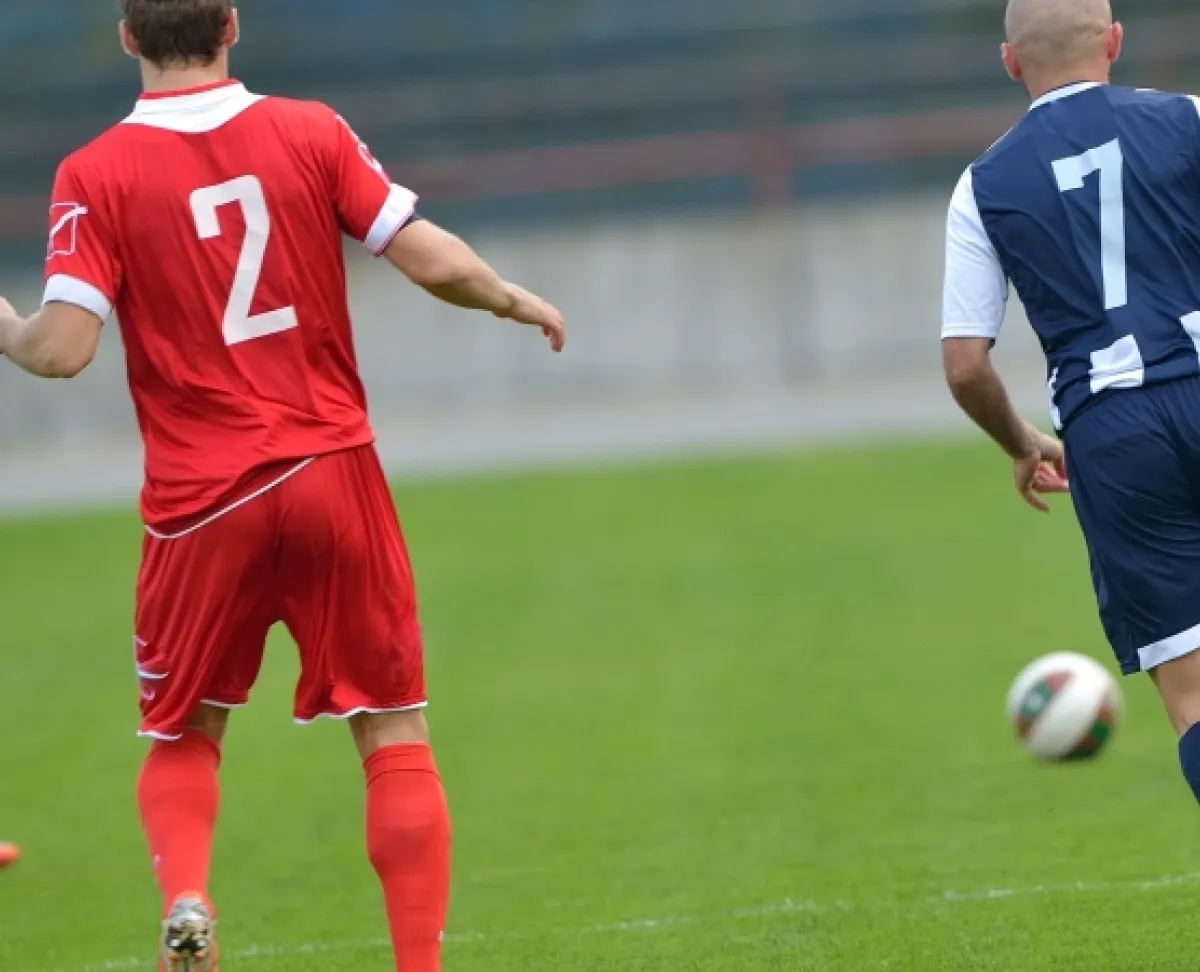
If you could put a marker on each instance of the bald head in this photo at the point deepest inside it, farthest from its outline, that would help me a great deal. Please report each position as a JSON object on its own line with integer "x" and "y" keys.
{"x": 1057, "y": 35}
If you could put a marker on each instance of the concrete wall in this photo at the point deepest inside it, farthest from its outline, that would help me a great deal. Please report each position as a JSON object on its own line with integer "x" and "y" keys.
{"x": 831, "y": 311}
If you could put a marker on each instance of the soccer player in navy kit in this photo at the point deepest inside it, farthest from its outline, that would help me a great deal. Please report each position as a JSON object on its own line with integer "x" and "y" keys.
{"x": 1090, "y": 208}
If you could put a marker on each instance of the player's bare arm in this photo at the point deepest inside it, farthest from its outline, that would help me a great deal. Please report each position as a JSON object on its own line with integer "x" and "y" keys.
{"x": 973, "y": 311}
{"x": 1038, "y": 460}
{"x": 59, "y": 341}
{"x": 446, "y": 267}
{"x": 980, "y": 392}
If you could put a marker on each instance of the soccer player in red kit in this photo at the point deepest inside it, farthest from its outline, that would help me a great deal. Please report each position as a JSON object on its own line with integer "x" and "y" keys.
{"x": 211, "y": 221}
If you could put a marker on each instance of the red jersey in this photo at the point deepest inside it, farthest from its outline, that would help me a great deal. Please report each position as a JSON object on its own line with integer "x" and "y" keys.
{"x": 211, "y": 221}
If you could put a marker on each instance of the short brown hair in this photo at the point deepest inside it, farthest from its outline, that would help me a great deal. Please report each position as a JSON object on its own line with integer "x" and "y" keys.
{"x": 178, "y": 31}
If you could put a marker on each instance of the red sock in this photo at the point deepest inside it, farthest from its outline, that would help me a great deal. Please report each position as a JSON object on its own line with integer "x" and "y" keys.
{"x": 408, "y": 840}
{"x": 178, "y": 796}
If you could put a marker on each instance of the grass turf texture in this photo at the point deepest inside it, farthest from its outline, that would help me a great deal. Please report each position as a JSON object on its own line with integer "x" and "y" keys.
{"x": 741, "y": 715}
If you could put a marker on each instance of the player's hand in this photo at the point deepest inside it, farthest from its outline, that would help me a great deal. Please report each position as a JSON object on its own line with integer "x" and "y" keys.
{"x": 530, "y": 309}
{"x": 1052, "y": 475}
{"x": 1043, "y": 471}
{"x": 1025, "y": 477}
{"x": 1052, "y": 478}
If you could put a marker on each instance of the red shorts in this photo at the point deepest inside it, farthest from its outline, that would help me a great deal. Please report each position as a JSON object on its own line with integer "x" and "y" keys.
{"x": 319, "y": 549}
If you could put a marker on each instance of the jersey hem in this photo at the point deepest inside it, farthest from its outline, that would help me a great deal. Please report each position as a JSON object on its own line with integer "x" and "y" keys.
{"x": 212, "y": 518}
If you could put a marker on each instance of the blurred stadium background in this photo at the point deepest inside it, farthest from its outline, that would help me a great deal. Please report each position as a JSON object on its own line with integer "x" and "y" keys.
{"x": 739, "y": 205}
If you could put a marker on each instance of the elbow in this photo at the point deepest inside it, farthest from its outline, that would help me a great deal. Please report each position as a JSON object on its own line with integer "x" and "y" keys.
{"x": 58, "y": 342}
{"x": 964, "y": 376}
{"x": 67, "y": 362}
{"x": 967, "y": 365}
{"x": 67, "y": 370}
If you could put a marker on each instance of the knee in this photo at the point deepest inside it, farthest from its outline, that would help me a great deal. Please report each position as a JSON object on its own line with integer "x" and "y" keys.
{"x": 375, "y": 731}
{"x": 1184, "y": 717}
{"x": 1178, "y": 683}
{"x": 211, "y": 721}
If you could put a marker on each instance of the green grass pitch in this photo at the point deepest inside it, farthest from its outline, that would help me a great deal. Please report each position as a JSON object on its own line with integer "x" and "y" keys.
{"x": 730, "y": 716}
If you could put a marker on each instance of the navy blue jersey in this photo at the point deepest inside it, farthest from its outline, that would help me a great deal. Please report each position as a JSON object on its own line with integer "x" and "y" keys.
{"x": 1091, "y": 208}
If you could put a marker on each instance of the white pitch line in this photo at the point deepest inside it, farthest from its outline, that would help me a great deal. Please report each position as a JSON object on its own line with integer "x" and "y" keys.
{"x": 787, "y": 906}
{"x": 1079, "y": 887}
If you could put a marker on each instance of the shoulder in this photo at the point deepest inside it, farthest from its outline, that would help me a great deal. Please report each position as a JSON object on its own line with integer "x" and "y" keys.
{"x": 963, "y": 197}
{"x": 1004, "y": 148}
{"x": 99, "y": 155}
{"x": 1010, "y": 165}
{"x": 311, "y": 127}
{"x": 97, "y": 170}
{"x": 964, "y": 216}
{"x": 314, "y": 117}
{"x": 1150, "y": 99}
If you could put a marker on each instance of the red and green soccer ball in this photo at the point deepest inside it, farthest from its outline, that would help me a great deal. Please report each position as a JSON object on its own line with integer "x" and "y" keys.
{"x": 9, "y": 855}
{"x": 1065, "y": 707}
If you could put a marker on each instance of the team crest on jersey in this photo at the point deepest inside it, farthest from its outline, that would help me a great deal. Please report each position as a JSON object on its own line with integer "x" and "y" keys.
{"x": 64, "y": 229}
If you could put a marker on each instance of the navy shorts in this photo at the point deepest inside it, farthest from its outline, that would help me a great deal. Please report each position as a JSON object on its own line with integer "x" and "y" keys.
{"x": 1134, "y": 462}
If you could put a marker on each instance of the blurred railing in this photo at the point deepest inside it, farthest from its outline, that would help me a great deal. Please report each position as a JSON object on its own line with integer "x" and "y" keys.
{"x": 520, "y": 109}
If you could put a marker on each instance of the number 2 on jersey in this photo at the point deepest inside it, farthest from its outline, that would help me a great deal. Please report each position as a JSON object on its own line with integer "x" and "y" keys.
{"x": 240, "y": 325}
{"x": 1109, "y": 161}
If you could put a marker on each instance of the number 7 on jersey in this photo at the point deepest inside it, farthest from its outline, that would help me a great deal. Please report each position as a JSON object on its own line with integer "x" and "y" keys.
{"x": 239, "y": 324}
{"x": 1109, "y": 161}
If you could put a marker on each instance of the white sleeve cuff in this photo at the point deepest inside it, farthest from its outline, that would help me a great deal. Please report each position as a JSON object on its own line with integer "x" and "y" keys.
{"x": 989, "y": 331}
{"x": 398, "y": 210}
{"x": 71, "y": 290}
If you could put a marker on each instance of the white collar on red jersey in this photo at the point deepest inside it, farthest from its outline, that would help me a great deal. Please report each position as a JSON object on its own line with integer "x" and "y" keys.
{"x": 196, "y": 111}
{"x": 1065, "y": 92}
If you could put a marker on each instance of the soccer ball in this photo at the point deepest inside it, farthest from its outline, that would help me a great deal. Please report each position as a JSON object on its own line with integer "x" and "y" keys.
{"x": 1065, "y": 707}
{"x": 9, "y": 855}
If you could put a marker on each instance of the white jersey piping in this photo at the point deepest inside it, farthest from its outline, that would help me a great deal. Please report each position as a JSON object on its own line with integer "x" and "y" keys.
{"x": 233, "y": 506}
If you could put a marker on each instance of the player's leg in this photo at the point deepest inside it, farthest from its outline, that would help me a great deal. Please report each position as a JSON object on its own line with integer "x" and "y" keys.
{"x": 1138, "y": 508}
{"x": 351, "y": 606}
{"x": 202, "y": 620}
{"x": 373, "y": 731}
{"x": 408, "y": 832}
{"x": 1178, "y": 679}
{"x": 178, "y": 797}
{"x": 1178, "y": 683}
